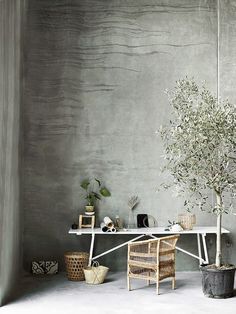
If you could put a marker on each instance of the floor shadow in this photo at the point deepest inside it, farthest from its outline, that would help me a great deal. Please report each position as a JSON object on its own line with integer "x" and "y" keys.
{"x": 107, "y": 280}
{"x": 180, "y": 283}
{"x": 31, "y": 285}
{"x": 166, "y": 285}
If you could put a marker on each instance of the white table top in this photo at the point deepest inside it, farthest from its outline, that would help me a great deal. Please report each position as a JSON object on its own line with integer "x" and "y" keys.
{"x": 155, "y": 230}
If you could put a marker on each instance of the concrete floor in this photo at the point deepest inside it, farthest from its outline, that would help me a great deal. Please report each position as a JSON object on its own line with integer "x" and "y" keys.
{"x": 55, "y": 294}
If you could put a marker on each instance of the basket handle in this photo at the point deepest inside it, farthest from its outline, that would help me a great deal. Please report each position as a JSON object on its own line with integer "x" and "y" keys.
{"x": 95, "y": 264}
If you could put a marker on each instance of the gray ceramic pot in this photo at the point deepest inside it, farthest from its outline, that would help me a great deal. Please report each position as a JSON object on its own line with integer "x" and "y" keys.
{"x": 218, "y": 283}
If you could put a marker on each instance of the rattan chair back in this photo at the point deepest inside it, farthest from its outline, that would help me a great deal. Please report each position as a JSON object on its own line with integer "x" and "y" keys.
{"x": 152, "y": 259}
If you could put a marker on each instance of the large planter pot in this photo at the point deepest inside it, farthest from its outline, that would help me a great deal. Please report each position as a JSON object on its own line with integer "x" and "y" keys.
{"x": 218, "y": 283}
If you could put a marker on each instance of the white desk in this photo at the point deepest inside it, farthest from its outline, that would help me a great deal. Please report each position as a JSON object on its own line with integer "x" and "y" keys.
{"x": 200, "y": 233}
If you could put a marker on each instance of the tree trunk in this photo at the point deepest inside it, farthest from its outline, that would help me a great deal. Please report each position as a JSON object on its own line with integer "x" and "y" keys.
{"x": 218, "y": 235}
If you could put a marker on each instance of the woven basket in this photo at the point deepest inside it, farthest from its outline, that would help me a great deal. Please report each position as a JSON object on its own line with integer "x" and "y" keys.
{"x": 75, "y": 262}
{"x": 187, "y": 221}
{"x": 95, "y": 274}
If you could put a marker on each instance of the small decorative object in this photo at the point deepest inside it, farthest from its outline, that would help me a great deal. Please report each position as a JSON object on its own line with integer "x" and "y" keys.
{"x": 108, "y": 222}
{"x": 75, "y": 262}
{"x": 146, "y": 221}
{"x": 95, "y": 274}
{"x": 103, "y": 226}
{"x": 187, "y": 220}
{"x": 44, "y": 267}
{"x": 86, "y": 221}
{"x": 94, "y": 191}
{"x": 118, "y": 223}
{"x": 107, "y": 225}
{"x": 132, "y": 203}
{"x": 174, "y": 226}
{"x": 142, "y": 221}
{"x": 152, "y": 222}
{"x": 74, "y": 226}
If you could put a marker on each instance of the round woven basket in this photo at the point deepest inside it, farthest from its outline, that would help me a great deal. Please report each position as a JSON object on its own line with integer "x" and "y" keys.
{"x": 187, "y": 220}
{"x": 75, "y": 263}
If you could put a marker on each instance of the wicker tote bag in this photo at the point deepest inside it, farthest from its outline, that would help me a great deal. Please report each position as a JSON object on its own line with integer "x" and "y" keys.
{"x": 95, "y": 274}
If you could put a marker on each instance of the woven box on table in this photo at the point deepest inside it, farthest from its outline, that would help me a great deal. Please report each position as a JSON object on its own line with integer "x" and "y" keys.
{"x": 187, "y": 220}
{"x": 75, "y": 262}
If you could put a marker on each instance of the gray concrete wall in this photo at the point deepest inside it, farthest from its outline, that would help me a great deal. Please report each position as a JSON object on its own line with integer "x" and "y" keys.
{"x": 10, "y": 231}
{"x": 95, "y": 77}
{"x": 227, "y": 49}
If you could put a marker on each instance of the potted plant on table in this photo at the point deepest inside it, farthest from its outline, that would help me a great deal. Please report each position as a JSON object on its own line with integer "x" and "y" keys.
{"x": 94, "y": 191}
{"x": 200, "y": 154}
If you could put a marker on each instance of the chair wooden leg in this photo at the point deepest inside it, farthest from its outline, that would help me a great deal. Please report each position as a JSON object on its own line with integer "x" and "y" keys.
{"x": 128, "y": 283}
{"x": 128, "y": 270}
{"x": 157, "y": 288}
{"x": 148, "y": 280}
{"x": 157, "y": 282}
{"x": 173, "y": 283}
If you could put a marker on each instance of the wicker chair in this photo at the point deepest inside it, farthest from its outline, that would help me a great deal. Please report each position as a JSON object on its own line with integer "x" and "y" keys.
{"x": 152, "y": 260}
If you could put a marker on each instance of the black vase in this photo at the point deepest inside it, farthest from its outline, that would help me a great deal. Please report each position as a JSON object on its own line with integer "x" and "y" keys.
{"x": 218, "y": 283}
{"x": 74, "y": 226}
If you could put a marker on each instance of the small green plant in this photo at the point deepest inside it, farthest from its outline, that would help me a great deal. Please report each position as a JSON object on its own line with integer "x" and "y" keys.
{"x": 94, "y": 190}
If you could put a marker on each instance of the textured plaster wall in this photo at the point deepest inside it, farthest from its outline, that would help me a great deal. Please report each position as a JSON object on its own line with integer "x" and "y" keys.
{"x": 95, "y": 76}
{"x": 10, "y": 231}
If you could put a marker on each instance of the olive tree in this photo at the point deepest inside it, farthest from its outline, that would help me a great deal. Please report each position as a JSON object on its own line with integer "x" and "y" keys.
{"x": 200, "y": 148}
